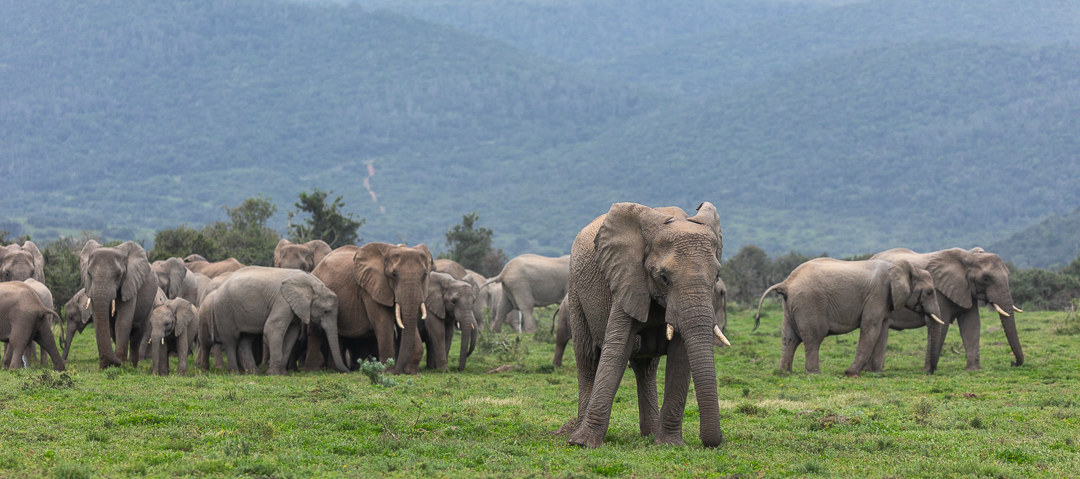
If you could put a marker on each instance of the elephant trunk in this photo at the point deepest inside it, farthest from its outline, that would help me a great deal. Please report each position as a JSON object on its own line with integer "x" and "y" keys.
{"x": 468, "y": 330}
{"x": 699, "y": 351}
{"x": 410, "y": 317}
{"x": 934, "y": 343}
{"x": 102, "y": 301}
{"x": 1008, "y": 323}
{"x": 69, "y": 336}
{"x": 330, "y": 327}
{"x": 158, "y": 355}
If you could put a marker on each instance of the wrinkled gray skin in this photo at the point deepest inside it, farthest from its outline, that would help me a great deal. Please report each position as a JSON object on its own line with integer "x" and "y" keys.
{"x": 122, "y": 275}
{"x": 47, "y": 300}
{"x": 272, "y": 302}
{"x": 449, "y": 303}
{"x": 25, "y": 319}
{"x": 962, "y": 278}
{"x": 176, "y": 280}
{"x": 825, "y": 297}
{"x": 200, "y": 265}
{"x": 207, "y": 347}
{"x": 529, "y": 281}
{"x": 172, "y": 330}
{"x": 484, "y": 297}
{"x": 633, "y": 272}
{"x": 303, "y": 257}
{"x": 19, "y": 263}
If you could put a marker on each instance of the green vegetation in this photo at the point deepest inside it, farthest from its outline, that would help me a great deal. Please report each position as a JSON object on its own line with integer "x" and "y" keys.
{"x": 326, "y": 223}
{"x": 244, "y": 237}
{"x": 471, "y": 247}
{"x": 1045, "y": 244}
{"x": 1000, "y": 421}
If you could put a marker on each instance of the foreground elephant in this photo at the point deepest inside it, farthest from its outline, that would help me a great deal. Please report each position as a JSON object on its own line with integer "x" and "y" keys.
{"x": 529, "y": 281}
{"x": 303, "y": 257}
{"x": 176, "y": 280}
{"x": 962, "y": 278}
{"x": 641, "y": 285}
{"x": 449, "y": 303}
{"x": 173, "y": 326}
{"x": 378, "y": 285}
{"x": 121, "y": 287}
{"x": 200, "y": 265}
{"x": 25, "y": 319}
{"x": 825, "y": 297}
{"x": 19, "y": 263}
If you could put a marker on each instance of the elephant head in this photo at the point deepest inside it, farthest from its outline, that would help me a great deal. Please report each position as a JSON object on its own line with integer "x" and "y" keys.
{"x": 77, "y": 315}
{"x": 177, "y": 318}
{"x": 913, "y": 288}
{"x": 451, "y": 300}
{"x": 19, "y": 263}
{"x": 965, "y": 277}
{"x": 662, "y": 260}
{"x": 303, "y": 257}
{"x": 313, "y": 302}
{"x": 171, "y": 274}
{"x": 110, "y": 275}
{"x": 397, "y": 277}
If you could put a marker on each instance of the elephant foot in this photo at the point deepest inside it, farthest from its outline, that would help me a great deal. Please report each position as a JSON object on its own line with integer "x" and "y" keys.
{"x": 974, "y": 367}
{"x": 851, "y": 374}
{"x": 567, "y": 428}
{"x": 579, "y": 438}
{"x": 669, "y": 439}
{"x": 105, "y": 363}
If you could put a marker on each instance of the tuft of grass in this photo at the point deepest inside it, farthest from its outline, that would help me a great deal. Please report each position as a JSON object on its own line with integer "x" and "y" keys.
{"x": 923, "y": 410}
{"x": 752, "y": 410}
{"x": 70, "y": 470}
{"x": 1016, "y": 456}
{"x": 47, "y": 380}
{"x": 976, "y": 423}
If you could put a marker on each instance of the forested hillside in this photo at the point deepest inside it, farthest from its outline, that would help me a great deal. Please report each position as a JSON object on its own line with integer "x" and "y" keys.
{"x": 1046, "y": 244}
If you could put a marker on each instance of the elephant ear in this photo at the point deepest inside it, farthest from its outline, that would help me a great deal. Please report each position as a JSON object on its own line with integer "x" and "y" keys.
{"x": 186, "y": 317}
{"x": 900, "y": 283}
{"x": 319, "y": 251}
{"x": 39, "y": 260}
{"x": 177, "y": 274}
{"x": 437, "y": 283}
{"x": 278, "y": 250}
{"x": 370, "y": 274}
{"x": 472, "y": 283}
{"x": 138, "y": 270}
{"x": 84, "y": 261}
{"x": 707, "y": 216}
{"x": 948, "y": 268}
{"x": 299, "y": 291}
{"x": 620, "y": 252}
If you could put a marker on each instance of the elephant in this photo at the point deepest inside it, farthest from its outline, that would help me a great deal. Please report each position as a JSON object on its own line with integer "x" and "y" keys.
{"x": 485, "y": 298}
{"x": 378, "y": 285}
{"x": 640, "y": 286}
{"x": 173, "y": 326}
{"x": 303, "y": 257}
{"x": 529, "y": 281}
{"x": 962, "y": 278}
{"x": 19, "y": 263}
{"x": 25, "y": 319}
{"x": 449, "y": 303}
{"x": 77, "y": 316}
{"x": 826, "y": 296}
{"x": 120, "y": 284}
{"x": 272, "y": 303}
{"x": 176, "y": 280}
{"x": 200, "y": 265}
{"x": 450, "y": 267}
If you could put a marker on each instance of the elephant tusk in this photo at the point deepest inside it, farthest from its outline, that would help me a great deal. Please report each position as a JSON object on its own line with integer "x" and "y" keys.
{"x": 162, "y": 340}
{"x": 423, "y": 311}
{"x": 397, "y": 315}
{"x": 1000, "y": 311}
{"x": 1018, "y": 310}
{"x": 113, "y": 313}
{"x": 670, "y": 332}
{"x": 458, "y": 324}
{"x": 935, "y": 318}
{"x": 720, "y": 335}
{"x": 87, "y": 303}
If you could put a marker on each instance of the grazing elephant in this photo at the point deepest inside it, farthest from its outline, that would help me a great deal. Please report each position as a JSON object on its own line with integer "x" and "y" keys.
{"x": 200, "y": 265}
{"x": 377, "y": 285}
{"x": 272, "y": 302}
{"x": 176, "y": 280}
{"x": 825, "y": 296}
{"x": 529, "y": 281}
{"x": 25, "y": 319}
{"x": 19, "y": 263}
{"x": 640, "y": 286}
{"x": 962, "y": 278}
{"x": 449, "y": 303}
{"x": 122, "y": 290}
{"x": 303, "y": 257}
{"x": 173, "y": 326}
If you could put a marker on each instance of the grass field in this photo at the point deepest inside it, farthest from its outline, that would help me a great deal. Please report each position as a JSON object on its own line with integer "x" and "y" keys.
{"x": 997, "y": 422}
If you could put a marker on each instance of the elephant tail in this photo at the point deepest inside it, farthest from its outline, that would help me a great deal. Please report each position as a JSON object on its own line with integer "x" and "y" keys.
{"x": 757, "y": 317}
{"x": 497, "y": 279}
{"x": 554, "y": 319}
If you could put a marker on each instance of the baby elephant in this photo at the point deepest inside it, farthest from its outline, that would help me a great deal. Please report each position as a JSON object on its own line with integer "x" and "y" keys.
{"x": 825, "y": 297}
{"x": 173, "y": 326}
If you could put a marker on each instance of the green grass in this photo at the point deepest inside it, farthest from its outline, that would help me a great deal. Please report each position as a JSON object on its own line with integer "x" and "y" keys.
{"x": 1001, "y": 421}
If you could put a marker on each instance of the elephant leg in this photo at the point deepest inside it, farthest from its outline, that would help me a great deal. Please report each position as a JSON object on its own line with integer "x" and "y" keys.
{"x": 614, "y": 354}
{"x": 789, "y": 342}
{"x": 229, "y": 345}
{"x": 30, "y": 354}
{"x": 277, "y": 325}
{"x": 288, "y": 342}
{"x": 648, "y": 404}
{"x": 877, "y": 361}
{"x": 676, "y": 386}
{"x": 313, "y": 360}
{"x": 7, "y": 354}
{"x": 562, "y": 337}
{"x": 125, "y": 314}
{"x": 870, "y": 330}
{"x": 811, "y": 349}
{"x": 245, "y": 358}
{"x": 970, "y": 325}
{"x": 505, "y": 306}
{"x": 528, "y": 323}
{"x": 48, "y": 346}
{"x": 182, "y": 347}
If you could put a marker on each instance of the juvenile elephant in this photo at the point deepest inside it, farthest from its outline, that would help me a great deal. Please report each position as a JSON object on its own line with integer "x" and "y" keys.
{"x": 272, "y": 302}
{"x": 77, "y": 316}
{"x": 19, "y": 263}
{"x": 640, "y": 286}
{"x": 173, "y": 326}
{"x": 529, "y": 281}
{"x": 176, "y": 280}
{"x": 378, "y": 285}
{"x": 200, "y": 265}
{"x": 122, "y": 288}
{"x": 449, "y": 303}
{"x": 825, "y": 297}
{"x": 486, "y": 298}
{"x": 303, "y": 257}
{"x": 25, "y": 319}
{"x": 962, "y": 278}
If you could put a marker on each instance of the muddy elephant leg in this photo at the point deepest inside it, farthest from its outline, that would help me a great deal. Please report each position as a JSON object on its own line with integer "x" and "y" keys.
{"x": 648, "y": 403}
{"x": 789, "y": 342}
{"x": 970, "y": 325}
{"x": 614, "y": 354}
{"x": 676, "y": 386}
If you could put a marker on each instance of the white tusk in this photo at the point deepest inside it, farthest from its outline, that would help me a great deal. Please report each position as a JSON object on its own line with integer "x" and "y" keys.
{"x": 459, "y": 324}
{"x": 935, "y": 318}
{"x": 113, "y": 313}
{"x": 720, "y": 335}
{"x": 397, "y": 315}
{"x": 423, "y": 311}
{"x": 670, "y": 332}
{"x": 87, "y": 303}
{"x": 1018, "y": 310}
{"x": 162, "y": 340}
{"x": 999, "y": 310}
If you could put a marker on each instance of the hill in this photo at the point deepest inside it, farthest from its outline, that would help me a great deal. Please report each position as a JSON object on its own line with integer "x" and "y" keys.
{"x": 1051, "y": 243}
{"x": 726, "y": 58}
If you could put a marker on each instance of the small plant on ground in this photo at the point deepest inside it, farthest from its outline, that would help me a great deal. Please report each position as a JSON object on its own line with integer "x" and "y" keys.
{"x": 374, "y": 370}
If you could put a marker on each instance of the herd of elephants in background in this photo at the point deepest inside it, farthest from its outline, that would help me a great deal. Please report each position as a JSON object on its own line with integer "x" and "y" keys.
{"x": 640, "y": 283}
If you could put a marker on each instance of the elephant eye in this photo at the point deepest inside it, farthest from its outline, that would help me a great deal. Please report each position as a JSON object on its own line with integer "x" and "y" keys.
{"x": 663, "y": 279}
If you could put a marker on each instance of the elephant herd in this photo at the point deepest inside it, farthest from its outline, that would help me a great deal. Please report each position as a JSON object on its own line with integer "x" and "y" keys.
{"x": 640, "y": 283}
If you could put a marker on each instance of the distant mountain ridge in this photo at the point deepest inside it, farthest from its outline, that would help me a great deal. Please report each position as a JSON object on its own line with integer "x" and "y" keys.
{"x": 1053, "y": 242}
